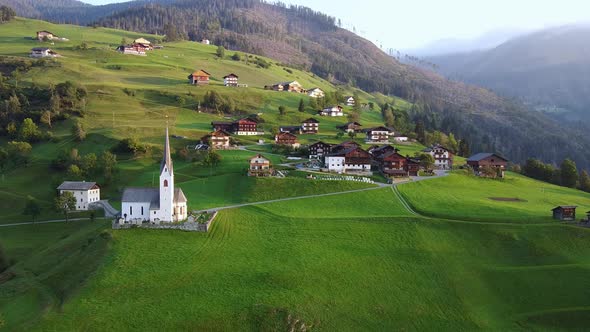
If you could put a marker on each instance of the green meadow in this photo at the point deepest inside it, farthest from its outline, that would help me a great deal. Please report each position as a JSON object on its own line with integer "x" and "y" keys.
{"x": 482, "y": 254}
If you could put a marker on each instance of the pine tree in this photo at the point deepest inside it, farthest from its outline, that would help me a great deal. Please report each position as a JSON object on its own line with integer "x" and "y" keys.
{"x": 585, "y": 181}
{"x": 32, "y": 208}
{"x": 569, "y": 173}
{"x": 420, "y": 132}
{"x": 301, "y": 107}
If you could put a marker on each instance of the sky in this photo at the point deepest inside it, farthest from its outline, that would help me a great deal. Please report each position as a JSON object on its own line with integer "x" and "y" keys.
{"x": 410, "y": 24}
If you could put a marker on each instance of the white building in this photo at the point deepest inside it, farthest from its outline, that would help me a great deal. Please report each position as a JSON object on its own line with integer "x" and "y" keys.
{"x": 156, "y": 205}
{"x": 206, "y": 42}
{"x": 401, "y": 138}
{"x": 443, "y": 157}
{"x": 316, "y": 93}
{"x": 332, "y": 111}
{"x": 349, "y": 100}
{"x": 378, "y": 135}
{"x": 85, "y": 193}
{"x": 353, "y": 159}
{"x": 43, "y": 52}
{"x": 230, "y": 80}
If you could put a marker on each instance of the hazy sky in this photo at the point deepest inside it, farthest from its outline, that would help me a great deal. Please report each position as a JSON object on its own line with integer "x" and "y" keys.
{"x": 412, "y": 23}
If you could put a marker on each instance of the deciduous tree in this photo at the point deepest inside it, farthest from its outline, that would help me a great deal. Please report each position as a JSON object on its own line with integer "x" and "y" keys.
{"x": 32, "y": 208}
{"x": 65, "y": 203}
{"x": 569, "y": 173}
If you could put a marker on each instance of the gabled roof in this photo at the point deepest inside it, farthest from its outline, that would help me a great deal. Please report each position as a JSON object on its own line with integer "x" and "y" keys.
{"x": 142, "y": 41}
{"x": 38, "y": 32}
{"x": 286, "y": 134}
{"x": 380, "y": 128}
{"x": 40, "y": 49}
{"x": 142, "y": 195}
{"x": 484, "y": 155}
{"x": 231, "y": 75}
{"x": 311, "y": 120}
{"x": 320, "y": 142}
{"x": 348, "y": 124}
{"x": 564, "y": 207}
{"x": 200, "y": 72}
{"x": 220, "y": 133}
{"x": 259, "y": 156}
{"x": 77, "y": 185}
{"x": 435, "y": 146}
{"x": 179, "y": 196}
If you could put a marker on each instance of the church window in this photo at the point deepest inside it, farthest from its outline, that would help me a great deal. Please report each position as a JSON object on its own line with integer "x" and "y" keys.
{"x": 142, "y": 210}
{"x": 165, "y": 183}
{"x": 131, "y": 210}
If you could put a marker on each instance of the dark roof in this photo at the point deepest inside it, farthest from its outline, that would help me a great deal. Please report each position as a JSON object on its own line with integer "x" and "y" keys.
{"x": 179, "y": 196}
{"x": 311, "y": 120}
{"x": 167, "y": 159}
{"x": 484, "y": 155}
{"x": 76, "y": 185}
{"x": 40, "y": 49}
{"x": 289, "y": 128}
{"x": 142, "y": 195}
{"x": 380, "y": 128}
{"x": 231, "y": 75}
{"x": 221, "y": 133}
{"x": 213, "y": 123}
{"x": 564, "y": 207}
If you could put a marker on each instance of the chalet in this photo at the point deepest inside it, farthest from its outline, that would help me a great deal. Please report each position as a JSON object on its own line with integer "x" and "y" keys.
{"x": 478, "y": 161}
{"x": 319, "y": 150}
{"x": 132, "y": 50}
{"x": 43, "y": 52}
{"x": 316, "y": 93}
{"x": 349, "y": 101}
{"x": 230, "y": 80}
{"x": 219, "y": 139}
{"x": 378, "y": 135}
{"x": 199, "y": 77}
{"x": 287, "y": 139}
{"x": 345, "y": 145}
{"x": 206, "y": 42}
{"x": 350, "y": 127}
{"x": 260, "y": 166}
{"x": 45, "y": 35}
{"x": 290, "y": 129}
{"x": 85, "y": 193}
{"x": 242, "y": 127}
{"x": 393, "y": 164}
{"x": 223, "y": 125}
{"x": 564, "y": 213}
{"x": 332, "y": 111}
{"x": 353, "y": 159}
{"x": 289, "y": 87}
{"x": 310, "y": 126}
{"x": 400, "y": 138}
{"x": 443, "y": 157}
{"x": 143, "y": 43}
{"x": 378, "y": 151}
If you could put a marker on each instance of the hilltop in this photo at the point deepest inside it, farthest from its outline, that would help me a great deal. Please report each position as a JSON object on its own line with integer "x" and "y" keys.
{"x": 305, "y": 39}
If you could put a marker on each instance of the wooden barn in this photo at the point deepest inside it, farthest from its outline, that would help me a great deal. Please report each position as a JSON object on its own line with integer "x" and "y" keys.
{"x": 199, "y": 77}
{"x": 565, "y": 213}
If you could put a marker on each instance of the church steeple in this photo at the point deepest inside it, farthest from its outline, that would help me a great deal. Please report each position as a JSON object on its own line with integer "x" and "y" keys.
{"x": 167, "y": 160}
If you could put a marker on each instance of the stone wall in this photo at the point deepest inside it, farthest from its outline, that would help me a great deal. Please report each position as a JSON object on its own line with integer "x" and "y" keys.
{"x": 189, "y": 226}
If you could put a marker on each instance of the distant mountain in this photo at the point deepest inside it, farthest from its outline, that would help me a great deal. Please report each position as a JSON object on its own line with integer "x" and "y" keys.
{"x": 300, "y": 37}
{"x": 549, "y": 69}
{"x": 453, "y": 45}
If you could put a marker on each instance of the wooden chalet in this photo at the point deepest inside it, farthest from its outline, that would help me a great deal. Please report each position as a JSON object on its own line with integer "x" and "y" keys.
{"x": 310, "y": 126}
{"x": 378, "y": 151}
{"x": 260, "y": 166}
{"x": 246, "y": 127}
{"x": 344, "y": 146}
{"x": 353, "y": 159}
{"x": 378, "y": 135}
{"x": 565, "y": 213}
{"x": 287, "y": 139}
{"x": 480, "y": 160}
{"x": 293, "y": 86}
{"x": 290, "y": 129}
{"x": 143, "y": 43}
{"x": 230, "y": 80}
{"x": 332, "y": 111}
{"x": 132, "y": 50}
{"x": 45, "y": 35}
{"x": 394, "y": 164}
{"x": 351, "y": 127}
{"x": 316, "y": 93}
{"x": 219, "y": 139}
{"x": 319, "y": 150}
{"x": 199, "y": 77}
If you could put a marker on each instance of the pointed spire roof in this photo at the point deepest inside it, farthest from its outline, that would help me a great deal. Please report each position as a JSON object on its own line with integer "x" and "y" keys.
{"x": 167, "y": 160}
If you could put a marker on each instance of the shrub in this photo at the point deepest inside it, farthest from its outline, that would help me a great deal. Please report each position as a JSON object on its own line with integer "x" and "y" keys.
{"x": 130, "y": 145}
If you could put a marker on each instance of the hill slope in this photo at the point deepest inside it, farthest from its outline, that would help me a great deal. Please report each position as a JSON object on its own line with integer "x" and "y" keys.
{"x": 312, "y": 41}
{"x": 548, "y": 69}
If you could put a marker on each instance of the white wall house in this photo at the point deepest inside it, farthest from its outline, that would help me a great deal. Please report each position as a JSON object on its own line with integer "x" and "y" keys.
{"x": 156, "y": 205}
{"x": 332, "y": 111}
{"x": 400, "y": 138}
{"x": 378, "y": 135}
{"x": 230, "y": 80}
{"x": 85, "y": 193}
{"x": 43, "y": 52}
{"x": 443, "y": 158}
{"x": 336, "y": 164}
{"x": 353, "y": 159}
{"x": 349, "y": 100}
{"x": 316, "y": 93}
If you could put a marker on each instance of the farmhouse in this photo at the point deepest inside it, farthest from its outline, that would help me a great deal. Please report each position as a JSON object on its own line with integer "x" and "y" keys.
{"x": 353, "y": 159}
{"x": 349, "y": 101}
{"x": 443, "y": 157}
{"x": 43, "y": 52}
{"x": 400, "y": 138}
{"x": 156, "y": 205}
{"x": 132, "y": 50}
{"x": 564, "y": 213}
{"x": 316, "y": 93}
{"x": 378, "y": 135}
{"x": 85, "y": 193}
{"x": 199, "y": 77}
{"x": 246, "y": 127}
{"x": 350, "y": 127}
{"x": 230, "y": 80}
{"x": 332, "y": 111}
{"x": 287, "y": 139}
{"x": 319, "y": 150}
{"x": 394, "y": 164}
{"x": 290, "y": 129}
{"x": 219, "y": 139}
{"x": 260, "y": 166}
{"x": 143, "y": 43}
{"x": 310, "y": 126}
{"x": 46, "y": 35}
{"x": 483, "y": 160}
{"x": 293, "y": 86}
{"x": 378, "y": 151}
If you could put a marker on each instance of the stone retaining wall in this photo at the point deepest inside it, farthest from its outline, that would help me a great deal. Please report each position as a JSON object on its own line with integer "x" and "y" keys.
{"x": 189, "y": 226}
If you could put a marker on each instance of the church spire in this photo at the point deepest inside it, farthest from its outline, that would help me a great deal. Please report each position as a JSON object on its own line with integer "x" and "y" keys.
{"x": 167, "y": 160}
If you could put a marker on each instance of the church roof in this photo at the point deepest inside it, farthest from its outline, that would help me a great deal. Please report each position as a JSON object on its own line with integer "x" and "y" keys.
{"x": 77, "y": 185}
{"x": 167, "y": 160}
{"x": 179, "y": 196}
{"x": 142, "y": 195}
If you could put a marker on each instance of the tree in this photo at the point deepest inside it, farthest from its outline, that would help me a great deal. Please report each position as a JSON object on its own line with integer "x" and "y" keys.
{"x": 12, "y": 130}
{"x": 171, "y": 33}
{"x": 6, "y": 15}
{"x": 301, "y": 107}
{"x": 464, "y": 150}
{"x": 282, "y": 110}
{"x": 78, "y": 131}
{"x": 585, "y": 181}
{"x": 65, "y": 203}
{"x": 371, "y": 106}
{"x": 420, "y": 132}
{"x": 3, "y": 261}
{"x": 212, "y": 159}
{"x": 74, "y": 172}
{"x": 357, "y": 102}
{"x": 55, "y": 104}
{"x": 89, "y": 163}
{"x": 452, "y": 143}
{"x": 46, "y": 118}
{"x": 220, "y": 52}
{"x": 236, "y": 57}
{"x": 388, "y": 118}
{"x": 19, "y": 152}
{"x": 124, "y": 41}
{"x": 352, "y": 134}
{"x": 3, "y": 159}
{"x": 426, "y": 161}
{"x": 108, "y": 163}
{"x": 32, "y": 208}
{"x": 489, "y": 172}
{"x": 29, "y": 131}
{"x": 569, "y": 173}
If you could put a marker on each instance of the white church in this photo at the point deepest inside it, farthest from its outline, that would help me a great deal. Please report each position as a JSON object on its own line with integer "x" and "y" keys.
{"x": 156, "y": 205}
